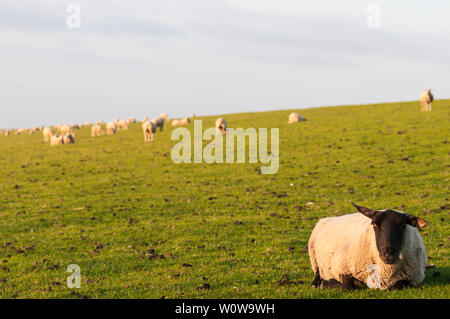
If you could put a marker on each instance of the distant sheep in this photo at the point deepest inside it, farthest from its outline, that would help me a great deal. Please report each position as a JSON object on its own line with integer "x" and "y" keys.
{"x": 131, "y": 120}
{"x": 122, "y": 125}
{"x": 56, "y": 140}
{"x": 20, "y": 131}
{"x": 6, "y": 133}
{"x": 295, "y": 117}
{"x": 192, "y": 116}
{"x": 111, "y": 128}
{"x": 375, "y": 248}
{"x": 184, "y": 121}
{"x": 221, "y": 125}
{"x": 158, "y": 122}
{"x": 426, "y": 98}
{"x": 164, "y": 116}
{"x": 68, "y": 139}
{"x": 47, "y": 132}
{"x": 97, "y": 130}
{"x": 148, "y": 128}
{"x": 87, "y": 124}
{"x": 66, "y": 129}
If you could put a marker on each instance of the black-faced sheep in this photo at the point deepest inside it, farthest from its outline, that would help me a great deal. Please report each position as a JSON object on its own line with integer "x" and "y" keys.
{"x": 221, "y": 125}
{"x": 426, "y": 98}
{"x": 375, "y": 248}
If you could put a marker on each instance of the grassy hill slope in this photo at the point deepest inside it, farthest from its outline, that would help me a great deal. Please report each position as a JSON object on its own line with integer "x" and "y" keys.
{"x": 140, "y": 226}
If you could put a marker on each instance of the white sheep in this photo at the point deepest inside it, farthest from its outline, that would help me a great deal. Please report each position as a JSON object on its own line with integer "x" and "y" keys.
{"x": 68, "y": 139}
{"x": 122, "y": 125}
{"x": 221, "y": 125}
{"x": 376, "y": 248}
{"x": 131, "y": 120}
{"x": 426, "y": 98}
{"x": 56, "y": 140}
{"x": 164, "y": 116}
{"x": 47, "y": 132}
{"x": 66, "y": 129}
{"x": 295, "y": 117}
{"x": 111, "y": 128}
{"x": 148, "y": 128}
{"x": 184, "y": 121}
{"x": 97, "y": 130}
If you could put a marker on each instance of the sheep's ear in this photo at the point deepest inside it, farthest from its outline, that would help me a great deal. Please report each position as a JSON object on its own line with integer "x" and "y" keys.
{"x": 367, "y": 211}
{"x": 417, "y": 222}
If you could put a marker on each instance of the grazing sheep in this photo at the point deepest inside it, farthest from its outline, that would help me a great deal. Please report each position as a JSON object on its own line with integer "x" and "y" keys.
{"x": 74, "y": 126}
{"x": 111, "y": 128}
{"x": 184, "y": 121}
{"x": 47, "y": 132}
{"x": 295, "y": 117}
{"x": 20, "y": 131}
{"x": 164, "y": 116}
{"x": 97, "y": 130}
{"x": 131, "y": 120}
{"x": 375, "y": 248}
{"x": 65, "y": 129}
{"x": 159, "y": 122}
{"x": 426, "y": 98}
{"x": 221, "y": 125}
{"x": 6, "y": 133}
{"x": 148, "y": 129}
{"x": 122, "y": 125}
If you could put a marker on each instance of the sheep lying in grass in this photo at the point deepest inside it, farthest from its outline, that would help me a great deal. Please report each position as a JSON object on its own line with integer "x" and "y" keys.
{"x": 295, "y": 117}
{"x": 47, "y": 132}
{"x": 111, "y": 128}
{"x": 68, "y": 139}
{"x": 375, "y": 248}
{"x": 221, "y": 125}
{"x": 97, "y": 130}
{"x": 184, "y": 121}
{"x": 122, "y": 125}
{"x": 426, "y": 98}
{"x": 148, "y": 129}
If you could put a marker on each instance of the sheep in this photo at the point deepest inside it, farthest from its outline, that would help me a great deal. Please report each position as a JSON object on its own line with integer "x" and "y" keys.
{"x": 111, "y": 128}
{"x": 426, "y": 98}
{"x": 295, "y": 117}
{"x": 97, "y": 130}
{"x": 20, "y": 131}
{"x": 131, "y": 120}
{"x": 122, "y": 125}
{"x": 6, "y": 133}
{"x": 375, "y": 248}
{"x": 66, "y": 129}
{"x": 164, "y": 116}
{"x": 99, "y": 122}
{"x": 68, "y": 139}
{"x": 74, "y": 126}
{"x": 47, "y": 132}
{"x": 87, "y": 124}
{"x": 159, "y": 122}
{"x": 148, "y": 128}
{"x": 221, "y": 125}
{"x": 184, "y": 121}
{"x": 56, "y": 140}
{"x": 192, "y": 116}
{"x": 145, "y": 119}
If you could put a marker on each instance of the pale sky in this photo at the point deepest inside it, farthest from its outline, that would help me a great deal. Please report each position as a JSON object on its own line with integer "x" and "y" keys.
{"x": 144, "y": 57}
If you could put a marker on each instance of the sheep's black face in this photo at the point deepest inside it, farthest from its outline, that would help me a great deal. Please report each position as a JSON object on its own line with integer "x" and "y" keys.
{"x": 389, "y": 226}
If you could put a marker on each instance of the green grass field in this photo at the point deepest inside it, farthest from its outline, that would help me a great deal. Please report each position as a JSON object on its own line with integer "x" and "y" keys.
{"x": 140, "y": 226}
